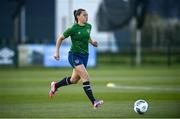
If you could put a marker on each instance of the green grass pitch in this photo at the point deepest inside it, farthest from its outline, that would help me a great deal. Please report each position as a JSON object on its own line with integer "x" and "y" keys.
{"x": 24, "y": 93}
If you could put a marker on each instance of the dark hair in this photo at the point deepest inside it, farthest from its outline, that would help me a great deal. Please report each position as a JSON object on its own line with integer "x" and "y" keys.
{"x": 77, "y": 13}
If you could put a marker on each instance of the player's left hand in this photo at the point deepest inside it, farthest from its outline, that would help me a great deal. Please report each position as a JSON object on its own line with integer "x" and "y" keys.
{"x": 95, "y": 43}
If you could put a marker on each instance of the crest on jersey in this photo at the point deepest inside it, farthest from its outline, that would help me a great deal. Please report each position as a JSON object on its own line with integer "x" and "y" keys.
{"x": 88, "y": 30}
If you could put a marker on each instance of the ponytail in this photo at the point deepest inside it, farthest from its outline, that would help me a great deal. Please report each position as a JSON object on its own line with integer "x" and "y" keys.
{"x": 75, "y": 16}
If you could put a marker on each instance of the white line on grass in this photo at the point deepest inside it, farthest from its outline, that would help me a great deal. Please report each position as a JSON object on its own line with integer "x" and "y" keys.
{"x": 144, "y": 88}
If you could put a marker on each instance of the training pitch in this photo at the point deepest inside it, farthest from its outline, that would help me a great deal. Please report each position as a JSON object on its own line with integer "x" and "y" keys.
{"x": 24, "y": 93}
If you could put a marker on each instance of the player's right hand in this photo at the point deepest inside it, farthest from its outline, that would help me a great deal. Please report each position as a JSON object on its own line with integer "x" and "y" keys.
{"x": 57, "y": 57}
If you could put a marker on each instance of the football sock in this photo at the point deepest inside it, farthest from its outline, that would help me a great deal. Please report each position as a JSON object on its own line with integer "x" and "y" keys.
{"x": 88, "y": 91}
{"x": 64, "y": 82}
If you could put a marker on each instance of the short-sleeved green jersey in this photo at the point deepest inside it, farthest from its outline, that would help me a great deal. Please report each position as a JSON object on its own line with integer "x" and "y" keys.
{"x": 80, "y": 36}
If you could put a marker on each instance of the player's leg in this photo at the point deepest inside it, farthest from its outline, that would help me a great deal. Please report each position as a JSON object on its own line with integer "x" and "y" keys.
{"x": 55, "y": 85}
{"x": 67, "y": 80}
{"x": 82, "y": 72}
{"x": 75, "y": 77}
{"x": 64, "y": 82}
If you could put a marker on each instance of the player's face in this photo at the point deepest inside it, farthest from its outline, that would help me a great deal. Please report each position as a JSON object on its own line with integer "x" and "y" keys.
{"x": 83, "y": 17}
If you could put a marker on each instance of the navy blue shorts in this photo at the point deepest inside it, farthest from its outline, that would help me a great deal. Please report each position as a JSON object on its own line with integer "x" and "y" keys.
{"x": 76, "y": 59}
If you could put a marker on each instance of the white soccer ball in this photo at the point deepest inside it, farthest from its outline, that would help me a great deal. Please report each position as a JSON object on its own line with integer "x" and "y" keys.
{"x": 140, "y": 106}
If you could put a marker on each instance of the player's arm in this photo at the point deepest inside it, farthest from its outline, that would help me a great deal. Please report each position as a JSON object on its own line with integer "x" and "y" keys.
{"x": 92, "y": 42}
{"x": 60, "y": 39}
{"x": 58, "y": 44}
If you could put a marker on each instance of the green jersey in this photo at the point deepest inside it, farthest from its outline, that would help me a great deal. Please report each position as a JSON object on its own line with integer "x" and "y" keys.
{"x": 80, "y": 36}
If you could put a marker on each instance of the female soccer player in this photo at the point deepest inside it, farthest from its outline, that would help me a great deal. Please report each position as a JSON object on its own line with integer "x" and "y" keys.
{"x": 78, "y": 55}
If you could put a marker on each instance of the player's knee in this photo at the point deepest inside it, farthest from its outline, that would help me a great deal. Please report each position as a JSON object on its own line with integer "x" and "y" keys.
{"x": 86, "y": 77}
{"x": 74, "y": 81}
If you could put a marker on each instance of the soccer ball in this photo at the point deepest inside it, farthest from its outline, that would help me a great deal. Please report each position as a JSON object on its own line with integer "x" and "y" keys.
{"x": 140, "y": 106}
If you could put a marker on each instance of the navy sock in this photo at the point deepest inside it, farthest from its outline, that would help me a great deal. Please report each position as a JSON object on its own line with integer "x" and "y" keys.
{"x": 88, "y": 91}
{"x": 64, "y": 82}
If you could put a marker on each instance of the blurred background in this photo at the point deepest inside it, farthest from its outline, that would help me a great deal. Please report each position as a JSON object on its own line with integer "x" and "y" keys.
{"x": 129, "y": 32}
